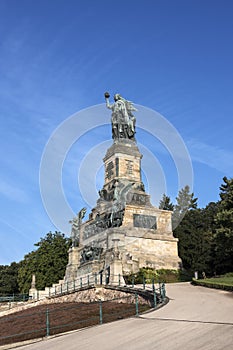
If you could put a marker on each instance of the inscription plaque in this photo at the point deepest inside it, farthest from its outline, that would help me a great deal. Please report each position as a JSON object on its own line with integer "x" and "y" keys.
{"x": 145, "y": 221}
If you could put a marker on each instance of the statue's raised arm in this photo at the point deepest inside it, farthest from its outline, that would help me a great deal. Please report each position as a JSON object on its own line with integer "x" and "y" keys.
{"x": 123, "y": 120}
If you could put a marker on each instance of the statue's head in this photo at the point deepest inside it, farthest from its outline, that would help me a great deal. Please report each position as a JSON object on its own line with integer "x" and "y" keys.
{"x": 117, "y": 97}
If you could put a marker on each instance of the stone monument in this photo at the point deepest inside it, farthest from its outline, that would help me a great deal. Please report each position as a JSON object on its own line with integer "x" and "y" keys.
{"x": 124, "y": 231}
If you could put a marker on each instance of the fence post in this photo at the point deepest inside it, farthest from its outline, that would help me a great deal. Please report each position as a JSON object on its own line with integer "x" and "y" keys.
{"x": 155, "y": 300}
{"x": 163, "y": 291}
{"x": 101, "y": 277}
{"x": 95, "y": 277}
{"x": 119, "y": 279}
{"x": 136, "y": 303}
{"x": 153, "y": 284}
{"x": 47, "y": 323}
{"x": 101, "y": 312}
{"x": 88, "y": 280}
{"x": 81, "y": 282}
{"x": 143, "y": 281}
{"x": 132, "y": 281}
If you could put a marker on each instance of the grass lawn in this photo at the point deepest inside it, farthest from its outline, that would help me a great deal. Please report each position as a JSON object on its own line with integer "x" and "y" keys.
{"x": 224, "y": 282}
{"x": 221, "y": 280}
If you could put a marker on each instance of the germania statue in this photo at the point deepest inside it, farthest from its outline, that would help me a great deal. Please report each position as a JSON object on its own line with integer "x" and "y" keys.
{"x": 123, "y": 121}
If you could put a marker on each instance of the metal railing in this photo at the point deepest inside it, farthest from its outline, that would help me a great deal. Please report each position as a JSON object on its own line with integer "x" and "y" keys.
{"x": 91, "y": 280}
{"x": 13, "y": 297}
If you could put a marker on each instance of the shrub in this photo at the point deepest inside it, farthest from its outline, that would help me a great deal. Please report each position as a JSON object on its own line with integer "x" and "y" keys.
{"x": 148, "y": 275}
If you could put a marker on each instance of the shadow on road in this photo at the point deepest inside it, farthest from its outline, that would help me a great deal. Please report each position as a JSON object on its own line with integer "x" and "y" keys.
{"x": 180, "y": 320}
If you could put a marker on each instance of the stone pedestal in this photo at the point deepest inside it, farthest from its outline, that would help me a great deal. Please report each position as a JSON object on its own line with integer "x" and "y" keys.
{"x": 116, "y": 273}
{"x": 115, "y": 264}
{"x": 73, "y": 264}
{"x": 124, "y": 214}
{"x": 33, "y": 290}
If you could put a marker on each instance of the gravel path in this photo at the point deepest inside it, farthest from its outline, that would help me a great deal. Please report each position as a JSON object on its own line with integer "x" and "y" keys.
{"x": 195, "y": 318}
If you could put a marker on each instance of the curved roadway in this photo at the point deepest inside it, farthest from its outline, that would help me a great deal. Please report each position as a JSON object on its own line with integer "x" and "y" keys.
{"x": 195, "y": 318}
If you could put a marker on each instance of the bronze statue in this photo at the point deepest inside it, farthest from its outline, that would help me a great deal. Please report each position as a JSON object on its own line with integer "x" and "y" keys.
{"x": 123, "y": 121}
{"x": 75, "y": 229}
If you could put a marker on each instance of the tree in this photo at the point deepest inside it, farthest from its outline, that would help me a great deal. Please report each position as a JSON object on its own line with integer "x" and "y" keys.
{"x": 8, "y": 278}
{"x": 223, "y": 248}
{"x": 185, "y": 201}
{"x": 47, "y": 262}
{"x": 165, "y": 203}
{"x": 196, "y": 236}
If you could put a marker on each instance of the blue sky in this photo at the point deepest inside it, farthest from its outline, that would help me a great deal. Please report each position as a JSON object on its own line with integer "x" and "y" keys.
{"x": 58, "y": 57}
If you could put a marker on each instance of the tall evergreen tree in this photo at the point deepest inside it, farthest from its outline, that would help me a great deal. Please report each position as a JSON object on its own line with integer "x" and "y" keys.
{"x": 184, "y": 201}
{"x": 165, "y": 203}
{"x": 223, "y": 248}
{"x": 47, "y": 262}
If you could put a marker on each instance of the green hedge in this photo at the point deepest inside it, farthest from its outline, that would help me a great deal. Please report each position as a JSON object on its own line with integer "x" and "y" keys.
{"x": 213, "y": 284}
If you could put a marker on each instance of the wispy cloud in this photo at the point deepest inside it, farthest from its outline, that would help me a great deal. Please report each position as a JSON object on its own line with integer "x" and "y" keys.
{"x": 213, "y": 156}
{"x": 12, "y": 192}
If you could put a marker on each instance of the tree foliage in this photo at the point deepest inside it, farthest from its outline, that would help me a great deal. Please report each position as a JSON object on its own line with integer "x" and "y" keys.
{"x": 47, "y": 262}
{"x": 8, "y": 279}
{"x": 184, "y": 201}
{"x": 205, "y": 235}
{"x": 196, "y": 238}
{"x": 165, "y": 203}
{"x": 223, "y": 247}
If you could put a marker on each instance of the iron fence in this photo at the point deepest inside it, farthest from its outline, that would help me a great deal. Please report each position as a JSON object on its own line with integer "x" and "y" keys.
{"x": 13, "y": 297}
{"x": 91, "y": 280}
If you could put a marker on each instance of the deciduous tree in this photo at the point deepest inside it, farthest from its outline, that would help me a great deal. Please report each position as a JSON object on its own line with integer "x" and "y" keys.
{"x": 8, "y": 279}
{"x": 47, "y": 262}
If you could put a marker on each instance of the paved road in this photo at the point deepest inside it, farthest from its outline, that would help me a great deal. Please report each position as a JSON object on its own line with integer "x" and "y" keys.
{"x": 196, "y": 318}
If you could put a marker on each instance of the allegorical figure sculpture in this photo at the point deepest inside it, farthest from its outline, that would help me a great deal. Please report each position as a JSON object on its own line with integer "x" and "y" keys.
{"x": 75, "y": 229}
{"x": 119, "y": 201}
{"x": 123, "y": 121}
